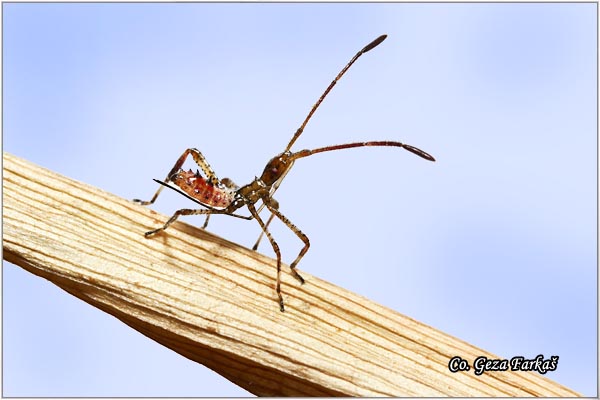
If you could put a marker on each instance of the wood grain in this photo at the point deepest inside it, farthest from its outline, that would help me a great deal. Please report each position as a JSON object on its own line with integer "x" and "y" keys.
{"x": 214, "y": 301}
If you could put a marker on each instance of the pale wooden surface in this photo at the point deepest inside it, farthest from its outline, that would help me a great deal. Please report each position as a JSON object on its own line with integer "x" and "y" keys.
{"x": 214, "y": 301}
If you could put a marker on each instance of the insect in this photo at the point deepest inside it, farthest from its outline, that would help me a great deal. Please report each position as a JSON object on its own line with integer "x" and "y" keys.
{"x": 222, "y": 196}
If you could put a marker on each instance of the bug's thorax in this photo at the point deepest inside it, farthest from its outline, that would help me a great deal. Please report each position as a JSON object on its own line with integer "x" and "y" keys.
{"x": 274, "y": 172}
{"x": 218, "y": 195}
{"x": 254, "y": 191}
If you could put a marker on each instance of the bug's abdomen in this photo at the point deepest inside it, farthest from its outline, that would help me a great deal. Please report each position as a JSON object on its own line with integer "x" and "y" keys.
{"x": 196, "y": 186}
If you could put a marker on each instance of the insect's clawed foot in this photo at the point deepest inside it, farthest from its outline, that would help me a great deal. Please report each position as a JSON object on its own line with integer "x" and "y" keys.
{"x": 297, "y": 276}
{"x": 141, "y": 202}
{"x": 150, "y": 233}
{"x": 281, "y": 308}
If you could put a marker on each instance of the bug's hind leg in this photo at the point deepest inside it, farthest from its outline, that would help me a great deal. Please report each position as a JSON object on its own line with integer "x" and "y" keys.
{"x": 202, "y": 163}
{"x": 184, "y": 211}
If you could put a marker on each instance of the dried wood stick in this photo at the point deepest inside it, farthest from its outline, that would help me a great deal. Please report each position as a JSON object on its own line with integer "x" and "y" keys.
{"x": 214, "y": 302}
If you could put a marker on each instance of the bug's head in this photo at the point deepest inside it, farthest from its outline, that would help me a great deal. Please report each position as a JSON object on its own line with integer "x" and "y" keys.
{"x": 276, "y": 168}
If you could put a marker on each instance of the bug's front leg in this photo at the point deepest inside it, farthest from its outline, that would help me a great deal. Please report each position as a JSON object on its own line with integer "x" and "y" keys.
{"x": 275, "y": 249}
{"x": 262, "y": 233}
{"x": 273, "y": 206}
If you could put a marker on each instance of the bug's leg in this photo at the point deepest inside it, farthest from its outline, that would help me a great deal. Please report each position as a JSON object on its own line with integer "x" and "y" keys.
{"x": 202, "y": 163}
{"x": 276, "y": 204}
{"x": 275, "y": 249}
{"x": 147, "y": 202}
{"x": 272, "y": 205}
{"x": 204, "y": 166}
{"x": 184, "y": 211}
{"x": 255, "y": 247}
{"x": 175, "y": 168}
{"x": 206, "y": 221}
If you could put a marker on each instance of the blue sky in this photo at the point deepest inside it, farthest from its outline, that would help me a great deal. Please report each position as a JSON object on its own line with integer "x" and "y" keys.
{"x": 495, "y": 243}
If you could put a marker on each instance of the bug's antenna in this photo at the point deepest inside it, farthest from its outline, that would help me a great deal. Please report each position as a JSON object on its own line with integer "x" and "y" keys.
{"x": 412, "y": 149}
{"x": 368, "y": 47}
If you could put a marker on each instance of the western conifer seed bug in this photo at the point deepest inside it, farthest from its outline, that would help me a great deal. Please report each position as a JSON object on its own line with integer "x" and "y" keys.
{"x": 222, "y": 196}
